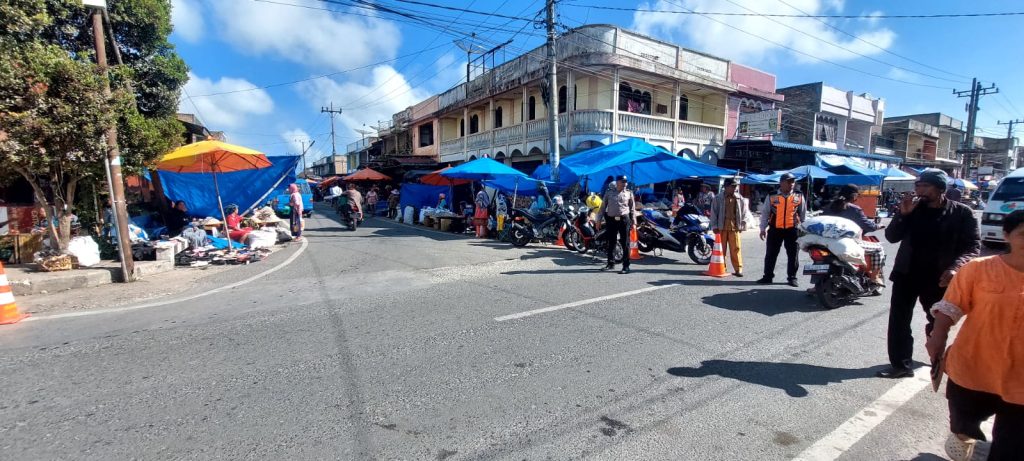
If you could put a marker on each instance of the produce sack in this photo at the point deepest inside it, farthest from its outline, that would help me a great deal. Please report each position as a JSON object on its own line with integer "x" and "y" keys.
{"x": 86, "y": 250}
{"x": 832, "y": 227}
{"x": 847, "y": 249}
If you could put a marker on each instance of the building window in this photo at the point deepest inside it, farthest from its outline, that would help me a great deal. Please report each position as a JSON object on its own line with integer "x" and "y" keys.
{"x": 426, "y": 132}
{"x": 497, "y": 117}
{"x": 828, "y": 129}
{"x": 462, "y": 127}
{"x": 563, "y": 99}
{"x": 634, "y": 100}
{"x": 684, "y": 108}
{"x": 531, "y": 109}
{"x": 474, "y": 123}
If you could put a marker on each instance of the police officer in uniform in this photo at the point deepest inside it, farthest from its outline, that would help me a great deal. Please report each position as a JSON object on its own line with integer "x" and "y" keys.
{"x": 781, "y": 213}
{"x": 618, "y": 209}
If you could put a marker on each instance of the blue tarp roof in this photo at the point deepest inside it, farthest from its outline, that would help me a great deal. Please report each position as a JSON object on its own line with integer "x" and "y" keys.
{"x": 896, "y": 174}
{"x": 483, "y": 169}
{"x": 247, "y": 189}
{"x": 644, "y": 163}
{"x": 519, "y": 185}
{"x": 825, "y": 150}
{"x": 815, "y": 172}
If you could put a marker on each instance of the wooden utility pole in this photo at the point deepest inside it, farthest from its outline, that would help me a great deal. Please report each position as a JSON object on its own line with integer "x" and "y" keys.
{"x": 555, "y": 157}
{"x": 113, "y": 163}
{"x": 306, "y": 148}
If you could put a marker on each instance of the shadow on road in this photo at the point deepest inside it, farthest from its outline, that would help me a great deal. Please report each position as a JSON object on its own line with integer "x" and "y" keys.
{"x": 767, "y": 302}
{"x": 789, "y": 377}
{"x": 927, "y": 457}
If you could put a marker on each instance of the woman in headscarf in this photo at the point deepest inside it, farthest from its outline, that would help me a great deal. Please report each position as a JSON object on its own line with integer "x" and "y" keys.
{"x": 235, "y": 230}
{"x": 295, "y": 203}
{"x": 480, "y": 216}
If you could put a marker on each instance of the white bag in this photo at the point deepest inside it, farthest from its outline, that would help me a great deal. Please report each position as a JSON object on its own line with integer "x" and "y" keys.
{"x": 832, "y": 227}
{"x": 262, "y": 239}
{"x": 846, "y": 249}
{"x": 86, "y": 250}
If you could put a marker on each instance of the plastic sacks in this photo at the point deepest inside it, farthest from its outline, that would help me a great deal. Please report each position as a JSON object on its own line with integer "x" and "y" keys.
{"x": 847, "y": 249}
{"x": 831, "y": 227}
{"x": 262, "y": 238}
{"x": 86, "y": 250}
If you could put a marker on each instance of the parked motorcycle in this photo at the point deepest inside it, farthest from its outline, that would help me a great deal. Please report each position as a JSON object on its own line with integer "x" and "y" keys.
{"x": 583, "y": 236}
{"x": 546, "y": 226}
{"x": 837, "y": 282}
{"x": 690, "y": 232}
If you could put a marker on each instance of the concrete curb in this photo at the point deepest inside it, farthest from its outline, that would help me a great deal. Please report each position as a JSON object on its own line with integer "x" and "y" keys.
{"x": 34, "y": 283}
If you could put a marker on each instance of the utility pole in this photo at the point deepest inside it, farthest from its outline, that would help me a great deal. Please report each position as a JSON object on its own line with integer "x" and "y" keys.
{"x": 113, "y": 163}
{"x": 1009, "y": 137}
{"x": 304, "y": 149}
{"x": 555, "y": 158}
{"x": 331, "y": 110}
{"x": 974, "y": 96}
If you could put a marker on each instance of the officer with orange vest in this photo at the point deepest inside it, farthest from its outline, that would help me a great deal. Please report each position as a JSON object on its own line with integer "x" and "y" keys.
{"x": 781, "y": 213}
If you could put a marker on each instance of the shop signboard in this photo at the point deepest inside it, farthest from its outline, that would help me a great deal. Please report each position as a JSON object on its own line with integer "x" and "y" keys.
{"x": 761, "y": 123}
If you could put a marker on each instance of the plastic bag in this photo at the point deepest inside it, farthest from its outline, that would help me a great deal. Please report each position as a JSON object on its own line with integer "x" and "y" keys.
{"x": 86, "y": 250}
{"x": 262, "y": 239}
{"x": 832, "y": 227}
{"x": 847, "y": 249}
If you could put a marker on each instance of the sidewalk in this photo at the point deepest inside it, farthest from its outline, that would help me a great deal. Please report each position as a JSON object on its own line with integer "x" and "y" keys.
{"x": 26, "y": 280}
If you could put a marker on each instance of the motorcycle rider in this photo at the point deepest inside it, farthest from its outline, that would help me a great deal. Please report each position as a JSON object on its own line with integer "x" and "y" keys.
{"x": 730, "y": 216}
{"x": 355, "y": 199}
{"x": 781, "y": 213}
{"x": 619, "y": 211}
{"x": 844, "y": 207}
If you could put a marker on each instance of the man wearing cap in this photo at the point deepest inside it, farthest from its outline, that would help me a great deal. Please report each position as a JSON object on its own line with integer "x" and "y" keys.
{"x": 730, "y": 216}
{"x": 937, "y": 236}
{"x": 618, "y": 209}
{"x": 781, "y": 213}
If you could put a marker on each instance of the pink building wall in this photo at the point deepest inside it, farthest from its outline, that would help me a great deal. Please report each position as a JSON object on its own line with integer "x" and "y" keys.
{"x": 752, "y": 84}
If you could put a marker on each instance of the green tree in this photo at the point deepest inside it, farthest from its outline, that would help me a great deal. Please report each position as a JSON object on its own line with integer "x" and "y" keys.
{"x": 52, "y": 112}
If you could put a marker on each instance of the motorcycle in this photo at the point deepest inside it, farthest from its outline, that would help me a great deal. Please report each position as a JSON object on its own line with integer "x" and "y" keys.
{"x": 838, "y": 282}
{"x": 688, "y": 233}
{"x": 583, "y": 236}
{"x": 350, "y": 216}
{"x": 546, "y": 226}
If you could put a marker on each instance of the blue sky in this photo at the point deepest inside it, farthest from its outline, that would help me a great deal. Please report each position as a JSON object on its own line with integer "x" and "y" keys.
{"x": 378, "y": 64}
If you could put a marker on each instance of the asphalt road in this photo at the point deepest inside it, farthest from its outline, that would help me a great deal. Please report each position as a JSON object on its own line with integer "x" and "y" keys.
{"x": 384, "y": 344}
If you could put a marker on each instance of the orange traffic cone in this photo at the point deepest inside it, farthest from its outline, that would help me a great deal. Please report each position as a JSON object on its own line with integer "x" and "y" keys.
{"x": 8, "y": 310}
{"x": 634, "y": 246}
{"x": 560, "y": 242}
{"x": 717, "y": 266}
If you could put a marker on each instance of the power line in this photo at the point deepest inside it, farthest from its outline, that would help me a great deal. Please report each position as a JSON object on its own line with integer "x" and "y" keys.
{"x": 821, "y": 16}
{"x": 463, "y": 10}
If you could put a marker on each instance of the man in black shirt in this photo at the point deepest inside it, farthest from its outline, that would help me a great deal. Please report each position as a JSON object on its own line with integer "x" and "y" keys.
{"x": 936, "y": 237}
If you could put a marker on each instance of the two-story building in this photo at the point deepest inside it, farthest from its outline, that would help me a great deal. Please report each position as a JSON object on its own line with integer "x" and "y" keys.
{"x": 823, "y": 116}
{"x": 408, "y": 141}
{"x": 331, "y": 165}
{"x": 613, "y": 84}
{"x": 753, "y": 113}
{"x": 923, "y": 140}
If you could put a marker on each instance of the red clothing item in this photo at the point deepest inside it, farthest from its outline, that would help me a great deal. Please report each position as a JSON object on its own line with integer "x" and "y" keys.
{"x": 235, "y": 231}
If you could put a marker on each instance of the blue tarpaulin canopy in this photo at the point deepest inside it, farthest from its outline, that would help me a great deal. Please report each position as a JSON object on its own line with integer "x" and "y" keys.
{"x": 483, "y": 169}
{"x": 813, "y": 171}
{"x": 420, "y": 195}
{"x": 896, "y": 174}
{"x": 247, "y": 189}
{"x": 518, "y": 185}
{"x": 644, "y": 163}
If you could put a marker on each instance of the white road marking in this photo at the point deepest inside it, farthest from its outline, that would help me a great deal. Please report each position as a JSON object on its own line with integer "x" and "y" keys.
{"x": 833, "y": 445}
{"x": 580, "y": 303}
{"x": 292, "y": 258}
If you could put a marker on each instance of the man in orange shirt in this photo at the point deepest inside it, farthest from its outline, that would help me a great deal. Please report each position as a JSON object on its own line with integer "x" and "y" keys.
{"x": 986, "y": 362}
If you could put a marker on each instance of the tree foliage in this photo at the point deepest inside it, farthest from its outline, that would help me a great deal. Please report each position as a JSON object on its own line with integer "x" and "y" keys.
{"x": 52, "y": 107}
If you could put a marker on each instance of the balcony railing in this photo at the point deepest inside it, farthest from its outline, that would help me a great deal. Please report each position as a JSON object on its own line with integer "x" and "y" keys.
{"x": 592, "y": 121}
{"x": 508, "y": 135}
{"x": 478, "y": 140}
{"x": 645, "y": 126}
{"x": 701, "y": 132}
{"x": 451, "y": 146}
{"x": 536, "y": 129}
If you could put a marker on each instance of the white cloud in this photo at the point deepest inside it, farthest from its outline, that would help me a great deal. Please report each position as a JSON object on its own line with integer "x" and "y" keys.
{"x": 295, "y": 138}
{"x": 187, "y": 20}
{"x": 311, "y": 37}
{"x": 224, "y": 111}
{"x": 385, "y": 93}
{"x": 712, "y": 36}
{"x": 900, "y": 74}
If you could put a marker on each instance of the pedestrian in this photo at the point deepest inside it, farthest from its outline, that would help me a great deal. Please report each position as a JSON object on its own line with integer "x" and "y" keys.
{"x": 954, "y": 193}
{"x": 678, "y": 200}
{"x": 619, "y": 211}
{"x": 730, "y": 216}
{"x": 295, "y": 203}
{"x": 371, "y": 200}
{"x": 985, "y": 364}
{"x": 844, "y": 207}
{"x": 705, "y": 199}
{"x": 937, "y": 236}
{"x": 393, "y": 199}
{"x": 480, "y": 216}
{"x": 781, "y": 213}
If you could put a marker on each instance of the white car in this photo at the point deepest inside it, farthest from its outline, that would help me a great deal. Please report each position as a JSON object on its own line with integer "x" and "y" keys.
{"x": 1008, "y": 197}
